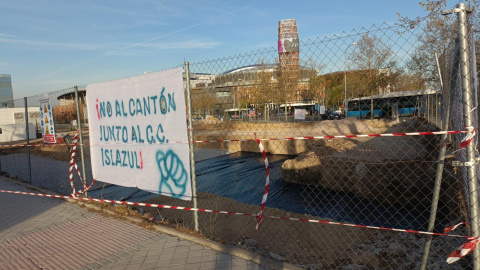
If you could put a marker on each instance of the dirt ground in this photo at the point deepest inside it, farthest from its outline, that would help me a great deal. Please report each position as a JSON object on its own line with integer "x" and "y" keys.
{"x": 300, "y": 242}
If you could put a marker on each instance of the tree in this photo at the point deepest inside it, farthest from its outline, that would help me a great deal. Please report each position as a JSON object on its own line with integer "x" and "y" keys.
{"x": 203, "y": 101}
{"x": 437, "y": 35}
{"x": 286, "y": 87}
{"x": 263, "y": 89}
{"x": 374, "y": 59}
{"x": 405, "y": 81}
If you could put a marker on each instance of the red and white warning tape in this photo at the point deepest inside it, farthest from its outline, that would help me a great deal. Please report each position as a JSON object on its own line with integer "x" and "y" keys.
{"x": 230, "y": 213}
{"x": 469, "y": 138}
{"x": 267, "y": 183}
{"x": 74, "y": 164}
{"x": 464, "y": 249}
{"x": 453, "y": 257}
{"x": 269, "y": 139}
{"x": 451, "y": 228}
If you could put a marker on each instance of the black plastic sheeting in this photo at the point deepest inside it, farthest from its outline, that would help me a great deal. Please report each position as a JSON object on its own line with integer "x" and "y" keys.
{"x": 241, "y": 176}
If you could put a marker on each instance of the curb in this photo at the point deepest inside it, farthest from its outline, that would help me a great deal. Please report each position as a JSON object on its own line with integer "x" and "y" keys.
{"x": 234, "y": 251}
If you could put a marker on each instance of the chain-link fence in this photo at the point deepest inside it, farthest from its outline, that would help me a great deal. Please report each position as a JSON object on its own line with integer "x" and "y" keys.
{"x": 346, "y": 122}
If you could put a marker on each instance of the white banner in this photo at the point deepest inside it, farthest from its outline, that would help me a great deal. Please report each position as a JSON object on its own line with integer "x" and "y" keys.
{"x": 300, "y": 114}
{"x": 46, "y": 119}
{"x": 134, "y": 124}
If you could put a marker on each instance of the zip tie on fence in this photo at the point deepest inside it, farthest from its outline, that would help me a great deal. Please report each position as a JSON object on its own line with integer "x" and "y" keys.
{"x": 73, "y": 163}
{"x": 473, "y": 109}
{"x": 270, "y": 139}
{"x": 469, "y": 138}
{"x": 267, "y": 183}
{"x": 453, "y": 257}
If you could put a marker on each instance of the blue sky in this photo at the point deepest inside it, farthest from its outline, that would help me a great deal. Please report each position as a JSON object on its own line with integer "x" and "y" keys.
{"x": 55, "y": 44}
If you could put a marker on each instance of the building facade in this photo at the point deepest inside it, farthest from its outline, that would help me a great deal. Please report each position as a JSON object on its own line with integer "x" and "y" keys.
{"x": 6, "y": 91}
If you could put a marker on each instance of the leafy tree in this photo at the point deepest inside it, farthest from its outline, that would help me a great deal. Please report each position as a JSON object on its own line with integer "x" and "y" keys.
{"x": 437, "y": 35}
{"x": 263, "y": 89}
{"x": 374, "y": 59}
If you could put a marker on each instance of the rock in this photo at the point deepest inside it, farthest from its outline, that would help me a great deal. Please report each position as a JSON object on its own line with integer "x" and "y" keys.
{"x": 302, "y": 170}
{"x": 250, "y": 243}
{"x": 395, "y": 249}
{"x": 438, "y": 265}
{"x": 276, "y": 256}
{"x": 380, "y": 244}
{"x": 318, "y": 266}
{"x": 140, "y": 211}
{"x": 354, "y": 267}
{"x": 421, "y": 242}
{"x": 366, "y": 258}
{"x": 363, "y": 247}
{"x": 360, "y": 170}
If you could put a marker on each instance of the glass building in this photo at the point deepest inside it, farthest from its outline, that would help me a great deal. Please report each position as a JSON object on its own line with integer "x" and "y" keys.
{"x": 6, "y": 91}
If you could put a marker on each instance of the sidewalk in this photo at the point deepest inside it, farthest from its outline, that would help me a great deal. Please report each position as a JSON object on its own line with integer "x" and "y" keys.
{"x": 46, "y": 233}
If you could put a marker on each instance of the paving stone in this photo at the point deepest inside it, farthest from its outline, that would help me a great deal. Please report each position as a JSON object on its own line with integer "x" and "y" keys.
{"x": 118, "y": 267}
{"x": 148, "y": 265}
{"x": 195, "y": 253}
{"x": 209, "y": 258}
{"x": 224, "y": 263}
{"x": 208, "y": 265}
{"x": 191, "y": 260}
{"x": 182, "y": 254}
{"x": 179, "y": 261}
{"x": 87, "y": 240}
{"x": 165, "y": 256}
{"x": 134, "y": 266}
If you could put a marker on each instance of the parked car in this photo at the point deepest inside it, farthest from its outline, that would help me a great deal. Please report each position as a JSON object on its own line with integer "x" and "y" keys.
{"x": 335, "y": 114}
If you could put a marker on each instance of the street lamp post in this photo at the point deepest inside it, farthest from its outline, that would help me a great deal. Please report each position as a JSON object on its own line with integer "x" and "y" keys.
{"x": 345, "y": 73}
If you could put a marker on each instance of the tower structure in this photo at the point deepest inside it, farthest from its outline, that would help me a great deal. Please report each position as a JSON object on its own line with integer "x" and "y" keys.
{"x": 288, "y": 55}
{"x": 6, "y": 91}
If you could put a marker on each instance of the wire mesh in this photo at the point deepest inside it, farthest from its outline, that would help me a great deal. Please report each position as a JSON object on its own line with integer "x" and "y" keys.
{"x": 376, "y": 80}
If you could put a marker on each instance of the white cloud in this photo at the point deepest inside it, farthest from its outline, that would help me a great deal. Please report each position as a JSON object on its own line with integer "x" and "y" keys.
{"x": 188, "y": 44}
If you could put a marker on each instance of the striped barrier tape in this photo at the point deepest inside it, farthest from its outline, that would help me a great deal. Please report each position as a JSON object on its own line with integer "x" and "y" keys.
{"x": 464, "y": 249}
{"x": 451, "y": 228}
{"x": 73, "y": 163}
{"x": 267, "y": 183}
{"x": 268, "y": 139}
{"x": 231, "y": 213}
{"x": 469, "y": 138}
{"x": 453, "y": 257}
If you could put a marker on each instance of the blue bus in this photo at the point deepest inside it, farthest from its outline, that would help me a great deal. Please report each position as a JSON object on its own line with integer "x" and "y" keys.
{"x": 393, "y": 104}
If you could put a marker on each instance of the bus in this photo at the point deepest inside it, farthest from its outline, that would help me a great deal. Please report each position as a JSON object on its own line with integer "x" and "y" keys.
{"x": 236, "y": 114}
{"x": 393, "y": 104}
{"x": 309, "y": 107}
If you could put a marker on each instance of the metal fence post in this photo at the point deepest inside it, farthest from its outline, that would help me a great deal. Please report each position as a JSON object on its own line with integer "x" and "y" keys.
{"x": 440, "y": 166}
{"x": 79, "y": 118}
{"x": 190, "y": 139}
{"x": 27, "y": 131}
{"x": 467, "y": 96}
